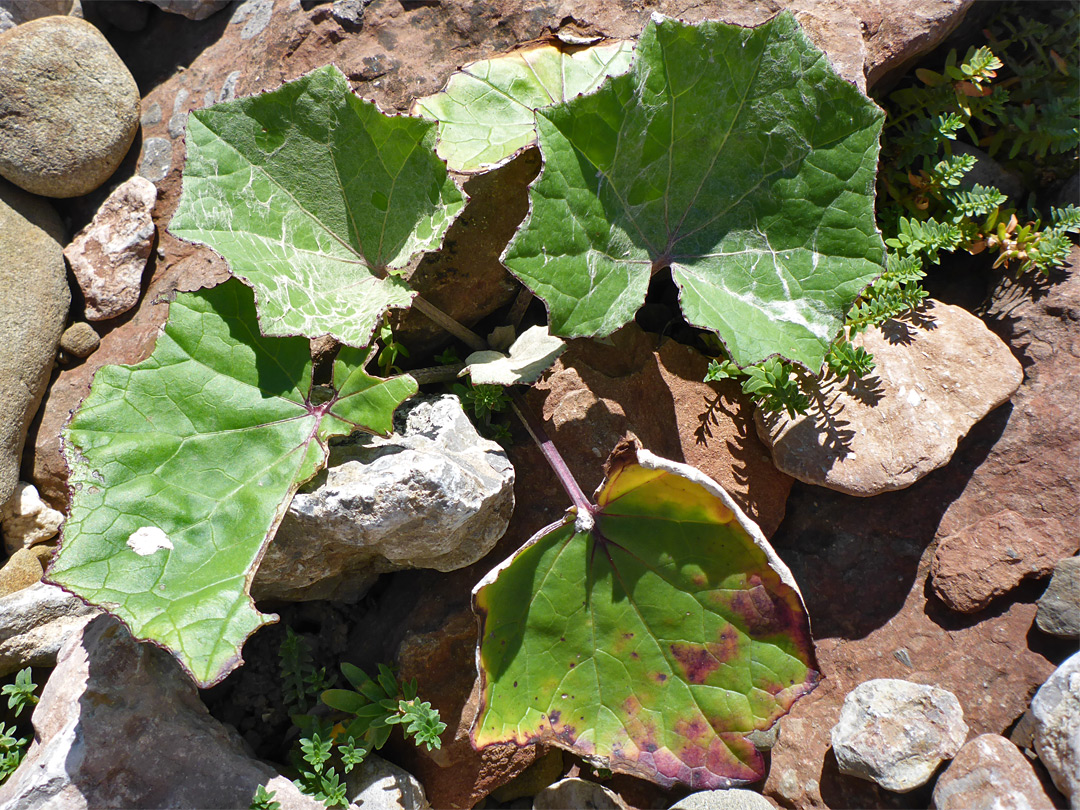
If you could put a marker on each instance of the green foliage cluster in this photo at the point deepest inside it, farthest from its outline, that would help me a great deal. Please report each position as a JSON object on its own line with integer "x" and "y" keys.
{"x": 326, "y": 749}
{"x": 1015, "y": 98}
{"x": 484, "y": 401}
{"x": 301, "y": 682}
{"x": 13, "y": 744}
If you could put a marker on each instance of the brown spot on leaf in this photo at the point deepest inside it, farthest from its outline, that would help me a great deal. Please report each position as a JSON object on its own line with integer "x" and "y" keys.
{"x": 696, "y": 661}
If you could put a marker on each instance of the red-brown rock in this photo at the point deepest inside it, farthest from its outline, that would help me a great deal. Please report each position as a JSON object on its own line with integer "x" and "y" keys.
{"x": 1031, "y": 470}
{"x": 990, "y": 773}
{"x": 982, "y": 560}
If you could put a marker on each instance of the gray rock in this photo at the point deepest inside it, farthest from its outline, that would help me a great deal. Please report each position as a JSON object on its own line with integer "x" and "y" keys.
{"x": 1056, "y": 709}
{"x": 433, "y": 495}
{"x": 16, "y": 12}
{"x": 27, "y": 520}
{"x": 933, "y": 381}
{"x": 255, "y": 15}
{"x": 34, "y": 624}
{"x": 896, "y": 733}
{"x": 120, "y": 725}
{"x": 990, "y": 773}
{"x": 192, "y": 9}
{"x": 376, "y": 784}
{"x": 156, "y": 159}
{"x": 349, "y": 12}
{"x": 80, "y": 340}
{"x": 577, "y": 793}
{"x": 1059, "y": 606}
{"x": 69, "y": 108}
{"x": 723, "y": 800}
{"x": 109, "y": 255}
{"x": 33, "y": 310}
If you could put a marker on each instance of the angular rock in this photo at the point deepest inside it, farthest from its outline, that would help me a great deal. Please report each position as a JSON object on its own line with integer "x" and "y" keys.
{"x": 1059, "y": 606}
{"x": 1056, "y": 709}
{"x": 439, "y": 649}
{"x": 896, "y": 733}
{"x": 79, "y": 340}
{"x": 994, "y": 555}
{"x": 192, "y": 9}
{"x": 990, "y": 773}
{"x": 109, "y": 255}
{"x": 575, "y": 792}
{"x": 34, "y": 624}
{"x": 376, "y": 784}
{"x": 33, "y": 309}
{"x": 433, "y": 495}
{"x": 732, "y": 799}
{"x": 934, "y": 379}
{"x": 1031, "y": 468}
{"x": 69, "y": 108}
{"x": 596, "y": 395}
{"x": 26, "y": 519}
{"x": 898, "y": 33}
{"x": 120, "y": 725}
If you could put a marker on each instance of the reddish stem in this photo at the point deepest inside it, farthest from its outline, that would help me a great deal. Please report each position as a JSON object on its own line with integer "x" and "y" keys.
{"x": 552, "y": 456}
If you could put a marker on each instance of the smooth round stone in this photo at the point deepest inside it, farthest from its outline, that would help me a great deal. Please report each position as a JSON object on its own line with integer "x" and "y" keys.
{"x": 69, "y": 108}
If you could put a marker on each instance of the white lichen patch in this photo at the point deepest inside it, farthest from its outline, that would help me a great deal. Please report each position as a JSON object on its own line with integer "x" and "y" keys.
{"x": 147, "y": 540}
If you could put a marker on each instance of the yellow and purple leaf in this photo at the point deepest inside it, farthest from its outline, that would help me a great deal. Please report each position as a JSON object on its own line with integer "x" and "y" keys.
{"x": 654, "y": 641}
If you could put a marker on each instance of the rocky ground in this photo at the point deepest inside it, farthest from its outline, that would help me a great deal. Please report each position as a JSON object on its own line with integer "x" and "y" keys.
{"x": 930, "y": 516}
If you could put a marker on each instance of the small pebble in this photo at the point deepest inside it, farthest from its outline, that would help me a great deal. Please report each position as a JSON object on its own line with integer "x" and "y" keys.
{"x": 80, "y": 340}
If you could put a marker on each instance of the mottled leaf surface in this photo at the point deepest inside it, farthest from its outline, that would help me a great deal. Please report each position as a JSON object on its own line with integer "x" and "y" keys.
{"x": 315, "y": 197}
{"x": 485, "y": 114}
{"x": 736, "y": 157}
{"x": 530, "y": 356}
{"x": 655, "y": 641}
{"x": 183, "y": 465}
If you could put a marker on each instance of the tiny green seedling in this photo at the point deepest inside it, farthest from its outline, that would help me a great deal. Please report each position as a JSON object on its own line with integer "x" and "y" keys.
{"x": 13, "y": 744}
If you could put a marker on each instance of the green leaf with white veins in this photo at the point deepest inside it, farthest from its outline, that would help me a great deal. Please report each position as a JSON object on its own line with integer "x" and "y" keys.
{"x": 182, "y": 467}
{"x": 485, "y": 114}
{"x": 736, "y": 157}
{"x": 315, "y": 198}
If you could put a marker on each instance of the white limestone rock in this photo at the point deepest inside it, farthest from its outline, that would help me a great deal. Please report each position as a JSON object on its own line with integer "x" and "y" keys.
{"x": 435, "y": 494}
{"x": 896, "y": 733}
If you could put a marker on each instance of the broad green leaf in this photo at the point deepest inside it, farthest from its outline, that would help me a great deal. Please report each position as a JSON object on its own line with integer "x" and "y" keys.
{"x": 736, "y": 157}
{"x": 182, "y": 467}
{"x": 530, "y": 356}
{"x": 655, "y": 641}
{"x": 315, "y": 197}
{"x": 485, "y": 114}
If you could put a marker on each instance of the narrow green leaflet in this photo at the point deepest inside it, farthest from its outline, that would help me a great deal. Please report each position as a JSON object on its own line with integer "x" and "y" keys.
{"x": 315, "y": 197}
{"x": 485, "y": 114}
{"x": 182, "y": 467}
{"x": 654, "y": 642}
{"x": 734, "y": 156}
{"x": 530, "y": 356}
